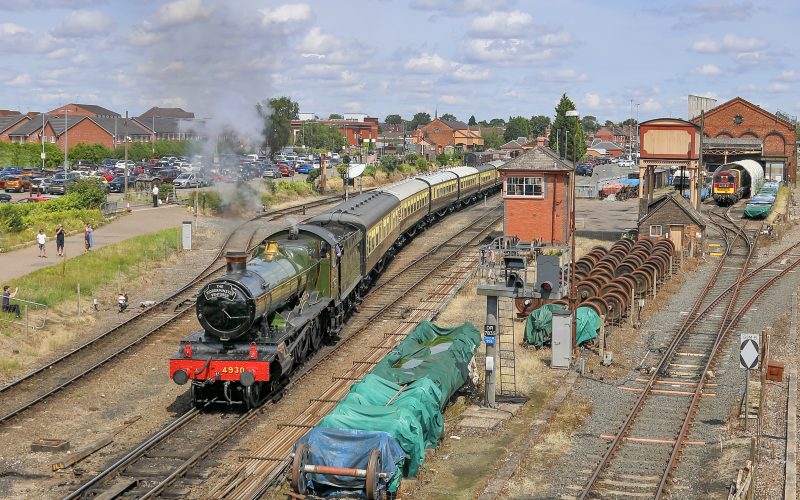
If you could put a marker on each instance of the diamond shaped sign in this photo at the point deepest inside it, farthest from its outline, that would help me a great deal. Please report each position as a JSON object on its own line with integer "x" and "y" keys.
{"x": 749, "y": 351}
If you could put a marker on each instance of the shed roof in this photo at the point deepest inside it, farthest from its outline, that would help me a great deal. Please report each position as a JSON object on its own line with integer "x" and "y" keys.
{"x": 539, "y": 159}
{"x": 98, "y": 110}
{"x": 732, "y": 142}
{"x": 676, "y": 199}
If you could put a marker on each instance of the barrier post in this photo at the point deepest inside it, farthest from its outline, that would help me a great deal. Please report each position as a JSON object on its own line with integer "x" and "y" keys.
{"x": 26, "y": 320}
{"x": 79, "y": 299}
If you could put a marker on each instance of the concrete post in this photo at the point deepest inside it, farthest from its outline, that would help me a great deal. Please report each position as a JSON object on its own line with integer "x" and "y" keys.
{"x": 491, "y": 349}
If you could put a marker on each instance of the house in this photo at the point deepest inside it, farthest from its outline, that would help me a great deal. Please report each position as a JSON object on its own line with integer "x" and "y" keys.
{"x": 90, "y": 110}
{"x": 440, "y": 134}
{"x": 536, "y": 196}
{"x": 169, "y": 128}
{"x": 10, "y": 122}
{"x": 621, "y": 135}
{"x": 739, "y": 129}
{"x": 605, "y": 148}
{"x": 671, "y": 216}
{"x": 157, "y": 112}
{"x": 358, "y": 128}
{"x": 74, "y": 129}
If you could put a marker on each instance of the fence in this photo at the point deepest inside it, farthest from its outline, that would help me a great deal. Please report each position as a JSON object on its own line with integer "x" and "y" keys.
{"x": 25, "y": 319}
{"x": 592, "y": 189}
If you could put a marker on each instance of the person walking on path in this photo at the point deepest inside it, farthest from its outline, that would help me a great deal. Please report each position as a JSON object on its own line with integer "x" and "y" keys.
{"x": 155, "y": 196}
{"x": 41, "y": 239}
{"x": 60, "y": 240}
{"x": 86, "y": 236}
{"x": 7, "y": 296}
{"x": 90, "y": 236}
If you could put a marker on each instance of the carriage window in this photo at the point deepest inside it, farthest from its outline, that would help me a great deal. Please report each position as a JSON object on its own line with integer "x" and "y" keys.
{"x": 532, "y": 187}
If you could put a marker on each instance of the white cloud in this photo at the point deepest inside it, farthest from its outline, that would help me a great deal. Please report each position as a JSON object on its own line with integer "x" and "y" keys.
{"x": 284, "y": 16}
{"x": 145, "y": 35}
{"x": 427, "y": 63}
{"x": 84, "y": 24}
{"x": 750, "y": 59}
{"x": 458, "y": 7}
{"x": 452, "y": 99}
{"x": 562, "y": 75}
{"x": 558, "y": 39}
{"x": 353, "y": 106}
{"x": 789, "y": 76}
{"x": 470, "y": 73}
{"x": 331, "y": 49}
{"x": 778, "y": 87}
{"x": 181, "y": 12}
{"x": 513, "y": 50}
{"x": 650, "y": 105}
{"x": 706, "y": 70}
{"x": 728, "y": 44}
{"x": 595, "y": 101}
{"x": 501, "y": 24}
{"x": 22, "y": 80}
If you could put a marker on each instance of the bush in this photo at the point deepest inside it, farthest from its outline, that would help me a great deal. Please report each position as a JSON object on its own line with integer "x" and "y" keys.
{"x": 370, "y": 172}
{"x": 422, "y": 165}
{"x": 165, "y": 190}
{"x": 87, "y": 193}
{"x": 389, "y": 163}
{"x": 210, "y": 202}
{"x": 312, "y": 176}
{"x": 406, "y": 169}
{"x": 411, "y": 158}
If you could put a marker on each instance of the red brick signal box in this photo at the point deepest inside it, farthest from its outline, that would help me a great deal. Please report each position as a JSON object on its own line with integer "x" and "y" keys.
{"x": 537, "y": 200}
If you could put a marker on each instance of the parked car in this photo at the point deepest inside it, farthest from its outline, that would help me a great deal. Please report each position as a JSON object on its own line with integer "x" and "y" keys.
{"x": 121, "y": 164}
{"x": 5, "y": 198}
{"x": 584, "y": 169}
{"x": 117, "y": 184}
{"x": 18, "y": 183}
{"x": 167, "y": 175}
{"x": 58, "y": 186}
{"x": 304, "y": 168}
{"x": 626, "y": 163}
{"x": 82, "y": 164}
{"x": 272, "y": 172}
{"x": 187, "y": 180}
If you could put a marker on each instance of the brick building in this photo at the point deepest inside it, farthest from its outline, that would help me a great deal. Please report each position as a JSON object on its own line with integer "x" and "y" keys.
{"x": 536, "y": 196}
{"x": 765, "y": 137}
{"x": 76, "y": 129}
{"x": 358, "y": 130}
{"x": 440, "y": 134}
{"x": 90, "y": 110}
{"x": 9, "y": 122}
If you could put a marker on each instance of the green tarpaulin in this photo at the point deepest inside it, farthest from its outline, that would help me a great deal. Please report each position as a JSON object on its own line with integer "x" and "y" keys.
{"x": 539, "y": 325}
{"x": 405, "y": 393}
{"x": 757, "y": 211}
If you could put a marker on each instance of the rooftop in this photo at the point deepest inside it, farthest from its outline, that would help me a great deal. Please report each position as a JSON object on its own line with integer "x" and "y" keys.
{"x": 539, "y": 159}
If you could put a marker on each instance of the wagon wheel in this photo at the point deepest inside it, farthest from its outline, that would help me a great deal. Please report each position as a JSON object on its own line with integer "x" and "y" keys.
{"x": 584, "y": 265}
{"x": 299, "y": 462}
{"x": 624, "y": 268}
{"x": 668, "y": 244}
{"x": 596, "y": 281}
{"x": 653, "y": 271}
{"x": 600, "y": 248}
{"x": 252, "y": 395}
{"x": 661, "y": 261}
{"x": 597, "y": 253}
{"x": 601, "y": 305}
{"x": 643, "y": 281}
{"x": 590, "y": 258}
{"x": 612, "y": 259}
{"x": 623, "y": 288}
{"x": 580, "y": 275}
{"x": 524, "y": 305}
{"x": 604, "y": 275}
{"x": 373, "y": 479}
{"x": 616, "y": 305}
{"x": 605, "y": 265}
{"x": 647, "y": 242}
{"x": 586, "y": 289}
{"x": 596, "y": 307}
{"x": 636, "y": 259}
{"x": 628, "y": 282}
{"x": 658, "y": 264}
{"x": 614, "y": 288}
{"x": 625, "y": 243}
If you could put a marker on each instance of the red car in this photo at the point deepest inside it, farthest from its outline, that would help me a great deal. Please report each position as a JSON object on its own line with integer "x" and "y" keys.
{"x": 285, "y": 170}
{"x": 32, "y": 199}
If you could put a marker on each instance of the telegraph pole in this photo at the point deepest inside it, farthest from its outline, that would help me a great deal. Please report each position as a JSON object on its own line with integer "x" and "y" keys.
{"x": 125, "y": 186}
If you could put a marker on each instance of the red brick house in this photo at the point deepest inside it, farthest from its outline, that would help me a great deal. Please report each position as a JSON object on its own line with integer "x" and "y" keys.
{"x": 90, "y": 110}
{"x": 156, "y": 112}
{"x": 9, "y": 123}
{"x": 740, "y": 119}
{"x": 536, "y": 196}
{"x": 356, "y": 131}
{"x": 78, "y": 128}
{"x": 449, "y": 133}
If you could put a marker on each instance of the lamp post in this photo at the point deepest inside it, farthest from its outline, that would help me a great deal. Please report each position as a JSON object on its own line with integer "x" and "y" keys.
{"x": 573, "y": 295}
{"x": 43, "y": 139}
{"x": 155, "y": 135}
{"x": 66, "y": 163}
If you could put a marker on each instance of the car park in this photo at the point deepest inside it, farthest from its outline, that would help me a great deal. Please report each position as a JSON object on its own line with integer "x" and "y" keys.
{"x": 167, "y": 175}
{"x": 117, "y": 184}
{"x": 187, "y": 180}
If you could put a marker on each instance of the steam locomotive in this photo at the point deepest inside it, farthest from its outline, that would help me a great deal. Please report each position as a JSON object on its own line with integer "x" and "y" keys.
{"x": 276, "y": 306}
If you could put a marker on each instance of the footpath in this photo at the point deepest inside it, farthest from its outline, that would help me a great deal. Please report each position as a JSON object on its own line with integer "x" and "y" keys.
{"x": 141, "y": 221}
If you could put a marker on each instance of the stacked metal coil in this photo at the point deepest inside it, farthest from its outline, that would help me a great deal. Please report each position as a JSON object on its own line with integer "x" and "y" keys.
{"x": 609, "y": 279}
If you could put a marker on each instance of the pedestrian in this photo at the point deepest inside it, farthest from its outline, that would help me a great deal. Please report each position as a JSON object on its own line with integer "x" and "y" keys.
{"x": 86, "y": 236}
{"x": 7, "y": 296}
{"x": 41, "y": 238}
{"x": 155, "y": 196}
{"x": 60, "y": 240}
{"x": 90, "y": 236}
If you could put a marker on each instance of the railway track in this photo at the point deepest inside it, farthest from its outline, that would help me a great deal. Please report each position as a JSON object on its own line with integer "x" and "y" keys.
{"x": 157, "y": 465}
{"x": 36, "y": 386}
{"x": 644, "y": 452}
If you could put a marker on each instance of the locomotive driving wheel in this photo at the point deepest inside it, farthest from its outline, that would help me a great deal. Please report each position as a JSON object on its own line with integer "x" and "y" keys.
{"x": 252, "y": 395}
{"x": 373, "y": 481}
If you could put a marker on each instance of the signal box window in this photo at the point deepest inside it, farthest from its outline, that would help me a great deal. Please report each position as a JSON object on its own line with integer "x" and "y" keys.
{"x": 655, "y": 231}
{"x": 525, "y": 187}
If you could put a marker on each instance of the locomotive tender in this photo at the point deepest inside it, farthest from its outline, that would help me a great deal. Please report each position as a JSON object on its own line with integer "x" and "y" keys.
{"x": 268, "y": 313}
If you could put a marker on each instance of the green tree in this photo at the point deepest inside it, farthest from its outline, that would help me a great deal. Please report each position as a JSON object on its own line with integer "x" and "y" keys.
{"x": 278, "y": 115}
{"x": 472, "y": 122}
{"x": 518, "y": 126}
{"x": 571, "y": 128}
{"x": 389, "y": 163}
{"x": 497, "y": 122}
{"x": 539, "y": 124}
{"x": 608, "y": 123}
{"x": 421, "y": 164}
{"x": 629, "y": 121}
{"x": 320, "y": 136}
{"x": 92, "y": 152}
{"x": 483, "y": 124}
{"x": 89, "y": 193}
{"x": 335, "y": 116}
{"x": 590, "y": 123}
{"x": 393, "y": 120}
{"x": 449, "y": 117}
{"x": 419, "y": 120}
{"x": 493, "y": 139}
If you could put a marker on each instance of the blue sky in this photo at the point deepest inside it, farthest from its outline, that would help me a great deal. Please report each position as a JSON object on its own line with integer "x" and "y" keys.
{"x": 488, "y": 58}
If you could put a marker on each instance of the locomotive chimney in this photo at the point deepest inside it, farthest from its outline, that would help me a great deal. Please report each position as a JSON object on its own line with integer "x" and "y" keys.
{"x": 236, "y": 261}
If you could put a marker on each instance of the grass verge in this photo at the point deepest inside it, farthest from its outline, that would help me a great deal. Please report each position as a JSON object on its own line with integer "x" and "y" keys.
{"x": 56, "y": 284}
